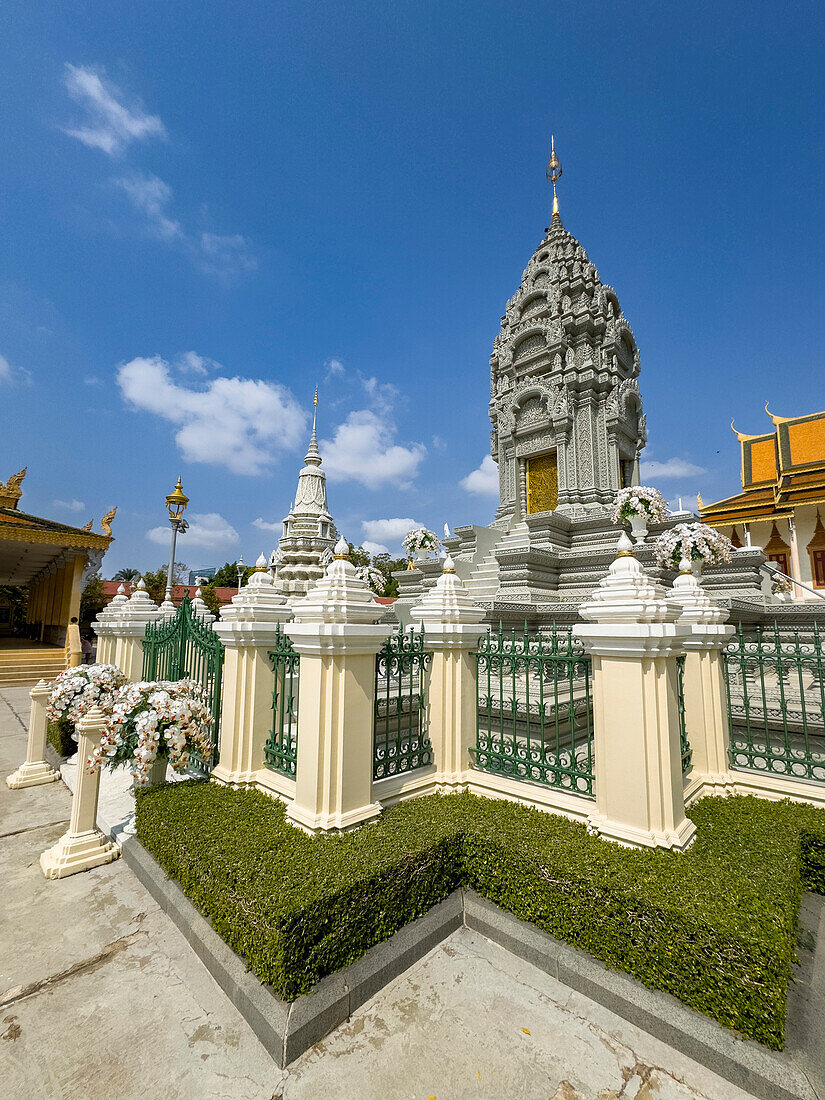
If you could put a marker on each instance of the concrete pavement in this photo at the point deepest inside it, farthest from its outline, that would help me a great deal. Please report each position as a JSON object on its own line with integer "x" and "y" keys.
{"x": 101, "y": 997}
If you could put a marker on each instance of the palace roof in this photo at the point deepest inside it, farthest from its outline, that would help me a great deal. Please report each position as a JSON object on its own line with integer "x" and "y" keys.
{"x": 780, "y": 470}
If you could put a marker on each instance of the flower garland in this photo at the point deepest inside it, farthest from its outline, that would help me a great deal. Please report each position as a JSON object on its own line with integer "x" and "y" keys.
{"x": 781, "y": 585}
{"x": 638, "y": 500}
{"x": 373, "y": 577}
{"x": 421, "y": 541}
{"x": 694, "y": 541}
{"x": 76, "y": 691}
{"x": 152, "y": 719}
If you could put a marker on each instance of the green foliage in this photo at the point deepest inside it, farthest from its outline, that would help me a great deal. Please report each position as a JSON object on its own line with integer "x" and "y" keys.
{"x": 210, "y": 598}
{"x": 60, "y": 738}
{"x": 714, "y": 926}
{"x": 227, "y": 576}
{"x": 126, "y": 575}
{"x": 156, "y": 584}
{"x": 92, "y": 599}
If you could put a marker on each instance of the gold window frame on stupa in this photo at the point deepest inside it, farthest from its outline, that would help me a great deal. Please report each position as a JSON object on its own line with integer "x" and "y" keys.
{"x": 541, "y": 473}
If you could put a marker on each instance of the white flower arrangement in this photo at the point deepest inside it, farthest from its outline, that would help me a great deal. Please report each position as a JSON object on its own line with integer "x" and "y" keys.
{"x": 694, "y": 541}
{"x": 373, "y": 577}
{"x": 77, "y": 690}
{"x": 151, "y": 719}
{"x": 639, "y": 500}
{"x": 781, "y": 585}
{"x": 421, "y": 542}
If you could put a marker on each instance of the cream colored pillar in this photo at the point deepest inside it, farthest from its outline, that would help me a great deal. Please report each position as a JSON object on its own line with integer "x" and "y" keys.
{"x": 74, "y": 653}
{"x": 632, "y": 634}
{"x": 336, "y": 635}
{"x": 451, "y": 623}
{"x": 83, "y": 846}
{"x": 247, "y": 628}
{"x": 706, "y": 711}
{"x": 103, "y": 626}
{"x": 123, "y": 625}
{"x": 35, "y": 770}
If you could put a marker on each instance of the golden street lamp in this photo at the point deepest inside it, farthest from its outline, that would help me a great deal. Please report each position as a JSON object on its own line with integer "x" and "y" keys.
{"x": 176, "y": 503}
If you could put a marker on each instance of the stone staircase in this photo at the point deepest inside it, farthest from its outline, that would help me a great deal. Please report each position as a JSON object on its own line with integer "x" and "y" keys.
{"x": 483, "y": 582}
{"x": 28, "y": 664}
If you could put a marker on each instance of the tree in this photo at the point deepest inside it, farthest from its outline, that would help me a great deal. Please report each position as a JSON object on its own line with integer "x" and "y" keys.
{"x": 388, "y": 566}
{"x": 210, "y": 598}
{"x": 227, "y": 575}
{"x": 127, "y": 575}
{"x": 358, "y": 555}
{"x": 156, "y": 584}
{"x": 92, "y": 599}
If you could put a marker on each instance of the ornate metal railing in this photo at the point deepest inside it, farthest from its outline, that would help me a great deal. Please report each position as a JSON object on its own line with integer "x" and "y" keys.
{"x": 186, "y": 647}
{"x": 400, "y": 741}
{"x": 687, "y": 752}
{"x": 776, "y": 701}
{"x": 281, "y": 747}
{"x": 535, "y": 710}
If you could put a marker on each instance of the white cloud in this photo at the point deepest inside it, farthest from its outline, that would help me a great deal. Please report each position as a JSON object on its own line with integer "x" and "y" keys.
{"x": 70, "y": 505}
{"x": 10, "y": 374}
{"x": 334, "y": 366}
{"x": 151, "y": 196}
{"x": 91, "y": 380}
{"x": 383, "y": 395}
{"x": 671, "y": 467}
{"x": 364, "y": 450}
{"x": 192, "y": 363}
{"x": 208, "y": 531}
{"x": 375, "y": 547}
{"x": 234, "y": 422}
{"x": 262, "y": 525}
{"x": 390, "y": 530}
{"x": 224, "y": 256}
{"x": 109, "y": 124}
{"x": 484, "y": 480}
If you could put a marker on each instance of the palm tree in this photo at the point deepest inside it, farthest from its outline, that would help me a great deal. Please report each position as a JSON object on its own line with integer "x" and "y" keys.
{"x": 127, "y": 575}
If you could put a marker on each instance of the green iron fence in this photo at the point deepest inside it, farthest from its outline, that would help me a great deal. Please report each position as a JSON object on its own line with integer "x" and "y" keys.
{"x": 281, "y": 748}
{"x": 775, "y": 682}
{"x": 687, "y": 752}
{"x": 186, "y": 647}
{"x": 400, "y": 741}
{"x": 535, "y": 710}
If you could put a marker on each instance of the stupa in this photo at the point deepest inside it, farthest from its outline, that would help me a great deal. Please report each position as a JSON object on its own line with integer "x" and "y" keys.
{"x": 309, "y": 534}
{"x": 568, "y": 427}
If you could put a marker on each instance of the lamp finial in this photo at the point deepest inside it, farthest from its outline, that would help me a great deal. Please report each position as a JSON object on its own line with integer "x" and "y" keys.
{"x": 553, "y": 173}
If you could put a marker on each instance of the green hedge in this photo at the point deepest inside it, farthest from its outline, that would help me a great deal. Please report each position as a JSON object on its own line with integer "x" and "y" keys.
{"x": 60, "y": 737}
{"x": 715, "y": 926}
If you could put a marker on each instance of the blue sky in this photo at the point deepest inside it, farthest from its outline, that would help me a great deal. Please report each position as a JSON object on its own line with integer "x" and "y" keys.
{"x": 206, "y": 210}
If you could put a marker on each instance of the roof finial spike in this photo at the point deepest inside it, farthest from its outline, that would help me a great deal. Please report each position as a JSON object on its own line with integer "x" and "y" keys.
{"x": 315, "y": 409}
{"x": 553, "y": 173}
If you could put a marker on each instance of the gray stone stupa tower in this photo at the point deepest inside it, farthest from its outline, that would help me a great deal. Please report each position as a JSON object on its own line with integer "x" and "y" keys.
{"x": 567, "y": 417}
{"x": 309, "y": 533}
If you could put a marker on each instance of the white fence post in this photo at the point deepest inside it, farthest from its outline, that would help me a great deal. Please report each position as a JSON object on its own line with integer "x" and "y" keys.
{"x": 451, "y": 623}
{"x": 247, "y": 628}
{"x": 336, "y": 635}
{"x": 706, "y": 713}
{"x": 35, "y": 770}
{"x": 83, "y": 845}
{"x": 120, "y": 628}
{"x": 634, "y": 639}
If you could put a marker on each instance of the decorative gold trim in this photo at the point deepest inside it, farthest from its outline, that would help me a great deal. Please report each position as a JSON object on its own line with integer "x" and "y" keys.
{"x": 10, "y": 533}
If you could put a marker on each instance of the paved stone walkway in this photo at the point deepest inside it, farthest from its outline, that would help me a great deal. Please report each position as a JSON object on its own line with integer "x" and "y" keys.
{"x": 101, "y": 998}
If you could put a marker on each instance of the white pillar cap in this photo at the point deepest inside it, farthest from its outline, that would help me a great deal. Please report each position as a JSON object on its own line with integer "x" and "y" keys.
{"x": 340, "y": 596}
{"x": 447, "y": 602}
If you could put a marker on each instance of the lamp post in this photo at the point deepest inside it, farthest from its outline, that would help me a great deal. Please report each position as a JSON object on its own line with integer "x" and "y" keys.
{"x": 176, "y": 504}
{"x": 239, "y": 565}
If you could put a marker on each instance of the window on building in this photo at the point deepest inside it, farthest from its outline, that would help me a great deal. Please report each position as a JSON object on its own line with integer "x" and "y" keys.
{"x": 781, "y": 560}
{"x": 818, "y": 567}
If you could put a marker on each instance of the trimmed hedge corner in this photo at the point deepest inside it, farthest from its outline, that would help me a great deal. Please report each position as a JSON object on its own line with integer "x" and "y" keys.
{"x": 715, "y": 927}
{"x": 60, "y": 737}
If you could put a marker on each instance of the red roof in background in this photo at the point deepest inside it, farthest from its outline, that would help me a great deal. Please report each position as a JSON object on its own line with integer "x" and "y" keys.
{"x": 224, "y": 595}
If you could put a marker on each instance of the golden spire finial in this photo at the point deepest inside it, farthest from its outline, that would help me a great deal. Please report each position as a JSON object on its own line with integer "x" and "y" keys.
{"x": 315, "y": 408}
{"x": 553, "y": 172}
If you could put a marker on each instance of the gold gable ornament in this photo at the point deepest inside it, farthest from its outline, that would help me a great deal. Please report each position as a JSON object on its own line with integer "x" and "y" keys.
{"x": 106, "y": 522}
{"x": 11, "y": 491}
